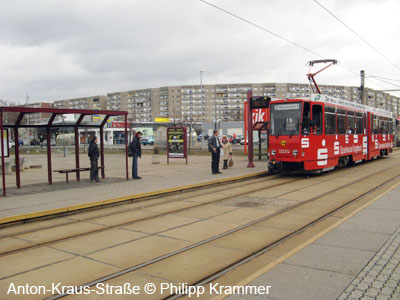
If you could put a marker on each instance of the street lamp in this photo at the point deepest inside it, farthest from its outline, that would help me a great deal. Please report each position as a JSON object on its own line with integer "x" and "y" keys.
{"x": 27, "y": 119}
{"x": 202, "y": 94}
{"x": 63, "y": 131}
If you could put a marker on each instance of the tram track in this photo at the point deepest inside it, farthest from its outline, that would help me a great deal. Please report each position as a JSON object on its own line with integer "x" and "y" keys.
{"x": 137, "y": 204}
{"x": 264, "y": 250}
{"x": 133, "y": 200}
{"x": 118, "y": 224}
{"x": 257, "y": 249}
{"x": 286, "y": 180}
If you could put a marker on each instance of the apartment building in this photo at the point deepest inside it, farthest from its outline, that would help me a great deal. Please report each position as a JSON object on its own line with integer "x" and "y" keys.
{"x": 39, "y": 117}
{"x": 206, "y": 103}
{"x": 93, "y": 102}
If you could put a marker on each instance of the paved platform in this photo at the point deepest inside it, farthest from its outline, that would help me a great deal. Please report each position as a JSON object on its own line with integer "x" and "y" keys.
{"x": 36, "y": 197}
{"x": 359, "y": 259}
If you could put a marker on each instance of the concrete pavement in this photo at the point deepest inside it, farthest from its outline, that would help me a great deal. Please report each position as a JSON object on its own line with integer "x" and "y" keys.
{"x": 359, "y": 259}
{"x": 35, "y": 195}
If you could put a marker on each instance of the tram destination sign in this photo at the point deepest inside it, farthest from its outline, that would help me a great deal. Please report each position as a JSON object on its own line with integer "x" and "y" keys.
{"x": 287, "y": 106}
{"x": 354, "y": 105}
{"x": 260, "y": 102}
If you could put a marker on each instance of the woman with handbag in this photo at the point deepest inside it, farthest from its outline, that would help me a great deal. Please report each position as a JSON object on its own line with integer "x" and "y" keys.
{"x": 227, "y": 147}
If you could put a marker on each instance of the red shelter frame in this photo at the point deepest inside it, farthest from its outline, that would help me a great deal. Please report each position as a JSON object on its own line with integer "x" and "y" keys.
{"x": 53, "y": 113}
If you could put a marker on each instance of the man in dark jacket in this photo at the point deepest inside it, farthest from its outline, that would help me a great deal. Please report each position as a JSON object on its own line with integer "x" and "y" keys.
{"x": 214, "y": 147}
{"x": 136, "y": 149}
{"x": 94, "y": 156}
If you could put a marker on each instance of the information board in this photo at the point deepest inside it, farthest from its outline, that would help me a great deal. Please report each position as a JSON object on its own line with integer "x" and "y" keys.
{"x": 5, "y": 151}
{"x": 176, "y": 143}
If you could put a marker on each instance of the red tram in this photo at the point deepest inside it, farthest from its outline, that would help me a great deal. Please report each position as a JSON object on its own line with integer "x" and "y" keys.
{"x": 322, "y": 132}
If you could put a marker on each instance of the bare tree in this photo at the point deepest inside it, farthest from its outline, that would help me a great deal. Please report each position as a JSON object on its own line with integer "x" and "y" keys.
{"x": 190, "y": 122}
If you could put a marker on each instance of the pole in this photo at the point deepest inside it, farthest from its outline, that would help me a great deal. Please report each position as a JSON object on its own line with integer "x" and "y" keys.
{"x": 27, "y": 120}
{"x": 78, "y": 174}
{"x": 250, "y": 129}
{"x": 215, "y": 114}
{"x": 126, "y": 148}
{"x": 49, "y": 169}
{"x": 65, "y": 152}
{"x": 17, "y": 166}
{"x": 3, "y": 173}
{"x": 259, "y": 144}
{"x": 362, "y": 88}
{"x": 103, "y": 175}
{"x": 202, "y": 94}
{"x": 190, "y": 134}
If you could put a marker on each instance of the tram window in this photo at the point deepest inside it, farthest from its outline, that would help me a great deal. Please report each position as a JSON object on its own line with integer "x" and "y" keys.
{"x": 359, "y": 123}
{"x": 305, "y": 124}
{"x": 330, "y": 120}
{"x": 375, "y": 125}
{"x": 350, "y": 122}
{"x": 317, "y": 119}
{"x": 365, "y": 122}
{"x": 285, "y": 118}
{"x": 386, "y": 126}
{"x": 390, "y": 126}
{"x": 381, "y": 125}
{"x": 341, "y": 121}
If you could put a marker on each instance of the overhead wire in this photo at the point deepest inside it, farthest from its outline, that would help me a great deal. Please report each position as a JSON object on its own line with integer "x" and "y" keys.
{"x": 278, "y": 35}
{"x": 262, "y": 28}
{"x": 274, "y": 34}
{"x": 383, "y": 80}
{"x": 380, "y": 77}
{"x": 358, "y": 35}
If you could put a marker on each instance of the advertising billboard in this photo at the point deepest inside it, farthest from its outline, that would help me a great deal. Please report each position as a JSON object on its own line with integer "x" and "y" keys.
{"x": 5, "y": 151}
{"x": 176, "y": 143}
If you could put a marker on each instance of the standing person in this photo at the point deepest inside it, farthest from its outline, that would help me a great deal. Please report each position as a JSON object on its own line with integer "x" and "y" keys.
{"x": 214, "y": 147}
{"x": 136, "y": 149}
{"x": 226, "y": 145}
{"x": 93, "y": 153}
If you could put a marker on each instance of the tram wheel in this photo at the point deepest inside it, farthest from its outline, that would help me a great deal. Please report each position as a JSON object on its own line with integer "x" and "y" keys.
{"x": 344, "y": 161}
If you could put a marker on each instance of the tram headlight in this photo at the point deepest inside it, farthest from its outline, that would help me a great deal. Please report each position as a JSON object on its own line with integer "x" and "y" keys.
{"x": 273, "y": 152}
{"x": 295, "y": 152}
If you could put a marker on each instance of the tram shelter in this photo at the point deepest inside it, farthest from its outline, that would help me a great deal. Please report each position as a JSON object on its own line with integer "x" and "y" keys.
{"x": 22, "y": 111}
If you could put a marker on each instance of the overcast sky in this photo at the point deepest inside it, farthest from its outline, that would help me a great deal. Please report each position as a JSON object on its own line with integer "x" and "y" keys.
{"x": 60, "y": 49}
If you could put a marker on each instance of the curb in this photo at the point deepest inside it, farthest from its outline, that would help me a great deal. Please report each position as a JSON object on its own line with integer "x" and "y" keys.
{"x": 60, "y": 210}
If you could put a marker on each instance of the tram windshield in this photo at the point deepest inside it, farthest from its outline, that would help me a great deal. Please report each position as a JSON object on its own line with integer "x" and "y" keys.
{"x": 285, "y": 118}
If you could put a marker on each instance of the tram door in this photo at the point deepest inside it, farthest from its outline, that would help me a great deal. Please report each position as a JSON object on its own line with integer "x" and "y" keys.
{"x": 305, "y": 123}
{"x": 317, "y": 119}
